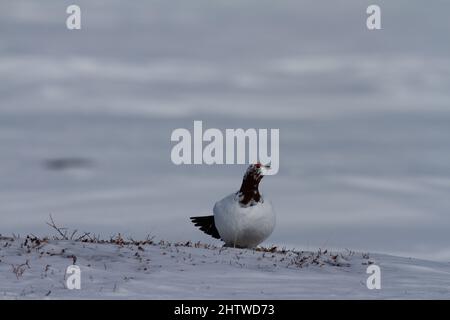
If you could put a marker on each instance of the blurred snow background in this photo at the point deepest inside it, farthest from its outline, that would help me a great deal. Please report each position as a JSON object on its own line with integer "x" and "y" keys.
{"x": 364, "y": 117}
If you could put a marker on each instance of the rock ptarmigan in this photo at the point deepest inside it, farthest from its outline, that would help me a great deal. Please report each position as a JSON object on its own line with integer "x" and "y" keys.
{"x": 243, "y": 219}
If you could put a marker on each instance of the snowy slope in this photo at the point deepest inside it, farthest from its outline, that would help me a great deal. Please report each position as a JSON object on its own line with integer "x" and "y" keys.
{"x": 36, "y": 269}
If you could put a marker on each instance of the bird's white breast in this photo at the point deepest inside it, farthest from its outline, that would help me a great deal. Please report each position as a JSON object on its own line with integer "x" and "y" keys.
{"x": 243, "y": 226}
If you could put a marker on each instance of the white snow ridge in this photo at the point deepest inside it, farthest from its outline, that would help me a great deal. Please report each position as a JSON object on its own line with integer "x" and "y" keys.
{"x": 33, "y": 268}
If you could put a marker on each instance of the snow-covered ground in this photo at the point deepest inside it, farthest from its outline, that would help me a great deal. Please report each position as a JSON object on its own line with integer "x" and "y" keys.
{"x": 31, "y": 269}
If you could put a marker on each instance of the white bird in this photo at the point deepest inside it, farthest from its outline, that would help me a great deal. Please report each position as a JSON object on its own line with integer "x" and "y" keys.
{"x": 243, "y": 219}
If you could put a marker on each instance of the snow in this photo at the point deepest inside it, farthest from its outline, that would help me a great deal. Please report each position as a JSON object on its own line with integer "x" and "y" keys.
{"x": 86, "y": 119}
{"x": 162, "y": 270}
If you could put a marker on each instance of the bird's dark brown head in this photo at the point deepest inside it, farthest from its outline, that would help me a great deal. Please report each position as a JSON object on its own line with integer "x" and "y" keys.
{"x": 249, "y": 189}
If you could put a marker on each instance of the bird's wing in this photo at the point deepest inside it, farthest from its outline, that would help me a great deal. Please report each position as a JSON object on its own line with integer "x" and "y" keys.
{"x": 207, "y": 225}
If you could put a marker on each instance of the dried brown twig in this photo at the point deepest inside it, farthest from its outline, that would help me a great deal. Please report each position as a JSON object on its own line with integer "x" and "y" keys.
{"x": 20, "y": 269}
{"x": 62, "y": 231}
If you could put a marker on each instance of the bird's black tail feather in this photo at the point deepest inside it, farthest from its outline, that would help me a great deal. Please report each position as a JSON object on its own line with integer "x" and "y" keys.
{"x": 207, "y": 225}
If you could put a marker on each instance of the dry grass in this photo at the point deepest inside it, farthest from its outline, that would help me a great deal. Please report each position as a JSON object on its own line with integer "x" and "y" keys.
{"x": 288, "y": 258}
